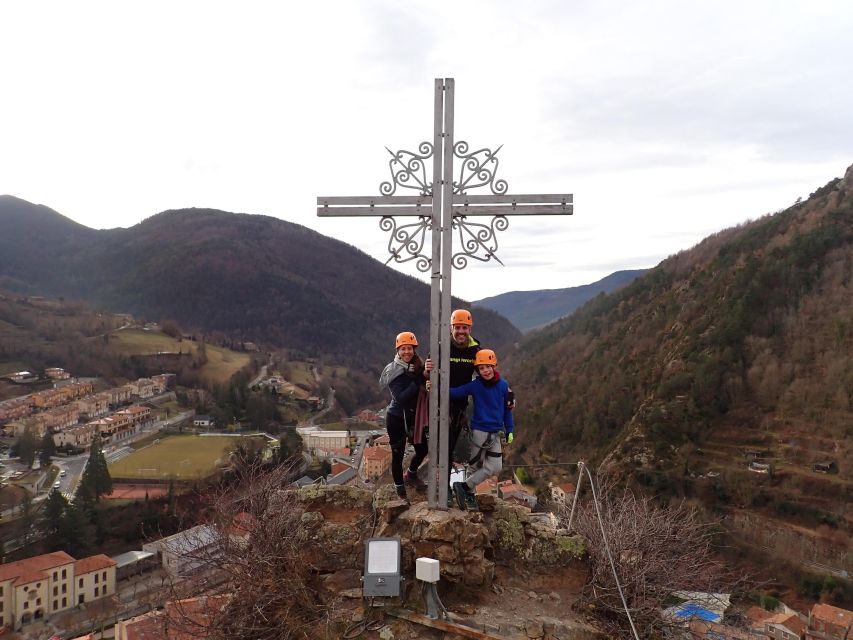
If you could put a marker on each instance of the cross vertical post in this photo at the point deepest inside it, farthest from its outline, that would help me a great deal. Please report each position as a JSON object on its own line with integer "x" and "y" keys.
{"x": 443, "y": 207}
{"x": 438, "y": 415}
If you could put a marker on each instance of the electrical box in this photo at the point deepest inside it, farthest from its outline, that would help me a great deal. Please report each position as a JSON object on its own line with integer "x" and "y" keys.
{"x": 427, "y": 569}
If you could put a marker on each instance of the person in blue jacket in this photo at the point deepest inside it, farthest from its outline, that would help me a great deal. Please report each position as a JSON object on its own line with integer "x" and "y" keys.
{"x": 492, "y": 414}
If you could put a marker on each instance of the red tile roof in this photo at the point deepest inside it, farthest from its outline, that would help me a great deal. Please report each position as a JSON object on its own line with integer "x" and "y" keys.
{"x": 377, "y": 453}
{"x": 13, "y": 570}
{"x": 568, "y": 487}
{"x": 790, "y": 621}
{"x": 30, "y": 576}
{"x": 93, "y": 563}
{"x": 833, "y": 615}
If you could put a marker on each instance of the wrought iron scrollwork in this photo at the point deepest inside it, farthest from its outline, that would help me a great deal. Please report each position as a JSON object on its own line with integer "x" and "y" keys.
{"x": 407, "y": 241}
{"x": 478, "y": 169}
{"x": 409, "y": 170}
{"x": 478, "y": 241}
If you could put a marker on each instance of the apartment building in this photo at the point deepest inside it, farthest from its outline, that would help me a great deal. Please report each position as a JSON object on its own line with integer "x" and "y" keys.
{"x": 79, "y": 436}
{"x": 37, "y": 588}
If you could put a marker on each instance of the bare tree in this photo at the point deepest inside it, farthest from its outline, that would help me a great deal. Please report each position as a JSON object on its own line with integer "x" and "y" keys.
{"x": 250, "y": 566}
{"x": 656, "y": 551}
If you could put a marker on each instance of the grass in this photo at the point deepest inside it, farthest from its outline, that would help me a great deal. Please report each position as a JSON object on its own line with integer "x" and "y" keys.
{"x": 7, "y": 367}
{"x": 300, "y": 373}
{"x": 220, "y": 366}
{"x": 182, "y": 457}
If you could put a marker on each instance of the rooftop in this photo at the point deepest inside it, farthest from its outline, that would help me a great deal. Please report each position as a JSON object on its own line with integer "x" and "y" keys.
{"x": 834, "y": 615}
{"x": 93, "y": 563}
{"x": 12, "y": 570}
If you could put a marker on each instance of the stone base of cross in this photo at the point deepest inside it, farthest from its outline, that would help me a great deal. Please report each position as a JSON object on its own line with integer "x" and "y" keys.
{"x": 441, "y": 206}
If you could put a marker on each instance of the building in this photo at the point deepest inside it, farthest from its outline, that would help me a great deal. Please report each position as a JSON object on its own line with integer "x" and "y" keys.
{"x": 144, "y": 387}
{"x": 186, "y": 552}
{"x": 376, "y": 461}
{"x": 517, "y": 493}
{"x": 706, "y": 630}
{"x": 79, "y": 436}
{"x": 38, "y": 587}
{"x": 202, "y": 421}
{"x": 138, "y": 415}
{"x": 120, "y": 395}
{"x": 326, "y": 439}
{"x": 94, "y": 406}
{"x": 16, "y": 408}
{"x": 829, "y": 623}
{"x": 562, "y": 493}
{"x": 181, "y": 620}
{"x": 784, "y": 626}
{"x": 57, "y": 373}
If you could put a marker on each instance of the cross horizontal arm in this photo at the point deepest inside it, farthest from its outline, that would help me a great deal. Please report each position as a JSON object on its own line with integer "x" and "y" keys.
{"x": 343, "y": 212}
{"x": 521, "y": 198}
{"x": 513, "y": 210}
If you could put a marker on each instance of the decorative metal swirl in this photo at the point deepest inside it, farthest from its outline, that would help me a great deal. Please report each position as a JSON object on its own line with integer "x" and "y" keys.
{"x": 478, "y": 169}
{"x": 407, "y": 241}
{"x": 408, "y": 171}
{"x": 478, "y": 241}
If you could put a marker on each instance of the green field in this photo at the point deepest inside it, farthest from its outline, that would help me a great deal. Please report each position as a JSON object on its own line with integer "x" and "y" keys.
{"x": 182, "y": 457}
{"x": 221, "y": 363}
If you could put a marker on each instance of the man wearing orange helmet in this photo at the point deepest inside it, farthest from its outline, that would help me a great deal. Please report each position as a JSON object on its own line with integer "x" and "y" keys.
{"x": 404, "y": 377}
{"x": 492, "y": 414}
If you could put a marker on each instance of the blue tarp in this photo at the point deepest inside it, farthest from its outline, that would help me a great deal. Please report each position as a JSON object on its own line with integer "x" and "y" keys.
{"x": 691, "y": 610}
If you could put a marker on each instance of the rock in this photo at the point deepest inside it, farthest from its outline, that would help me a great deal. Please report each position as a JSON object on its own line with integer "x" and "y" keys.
{"x": 385, "y": 633}
{"x": 532, "y": 595}
{"x": 311, "y": 518}
{"x": 534, "y": 630}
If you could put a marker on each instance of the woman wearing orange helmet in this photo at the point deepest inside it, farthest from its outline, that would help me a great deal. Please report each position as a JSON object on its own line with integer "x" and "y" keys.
{"x": 404, "y": 377}
{"x": 492, "y": 414}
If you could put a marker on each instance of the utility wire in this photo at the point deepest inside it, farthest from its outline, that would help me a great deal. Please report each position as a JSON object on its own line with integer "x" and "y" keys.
{"x": 581, "y": 468}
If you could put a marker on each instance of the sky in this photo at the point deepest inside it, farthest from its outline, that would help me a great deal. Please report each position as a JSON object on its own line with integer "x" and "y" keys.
{"x": 666, "y": 120}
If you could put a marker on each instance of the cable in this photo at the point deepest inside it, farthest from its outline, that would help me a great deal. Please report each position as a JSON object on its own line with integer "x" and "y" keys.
{"x": 581, "y": 467}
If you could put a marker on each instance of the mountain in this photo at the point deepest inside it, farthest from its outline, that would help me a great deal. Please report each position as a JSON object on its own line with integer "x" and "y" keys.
{"x": 533, "y": 309}
{"x": 723, "y": 376}
{"x": 250, "y": 277}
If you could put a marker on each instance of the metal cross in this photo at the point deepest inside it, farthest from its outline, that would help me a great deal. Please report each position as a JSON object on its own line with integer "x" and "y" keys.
{"x": 442, "y": 205}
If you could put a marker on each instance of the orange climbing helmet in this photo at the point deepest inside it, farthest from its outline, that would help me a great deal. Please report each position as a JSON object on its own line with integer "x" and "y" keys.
{"x": 461, "y": 316}
{"x": 406, "y": 337}
{"x": 485, "y": 356}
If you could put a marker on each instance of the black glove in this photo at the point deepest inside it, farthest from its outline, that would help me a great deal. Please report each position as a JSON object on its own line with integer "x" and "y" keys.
{"x": 510, "y": 400}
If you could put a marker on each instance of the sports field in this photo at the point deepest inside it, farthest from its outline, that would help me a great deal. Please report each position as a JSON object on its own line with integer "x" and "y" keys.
{"x": 182, "y": 457}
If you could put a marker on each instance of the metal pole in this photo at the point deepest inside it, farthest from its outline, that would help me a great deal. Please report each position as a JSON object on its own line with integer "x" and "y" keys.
{"x": 446, "y": 270}
{"x": 435, "y": 479}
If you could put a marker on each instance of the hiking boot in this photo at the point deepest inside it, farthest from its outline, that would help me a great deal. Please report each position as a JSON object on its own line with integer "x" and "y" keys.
{"x": 411, "y": 478}
{"x": 460, "y": 490}
{"x": 401, "y": 492}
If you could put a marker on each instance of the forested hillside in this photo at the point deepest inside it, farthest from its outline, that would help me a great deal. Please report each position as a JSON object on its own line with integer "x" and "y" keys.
{"x": 722, "y": 375}
{"x": 250, "y": 277}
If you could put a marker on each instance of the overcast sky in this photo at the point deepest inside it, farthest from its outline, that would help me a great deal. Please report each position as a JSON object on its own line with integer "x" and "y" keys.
{"x": 666, "y": 120}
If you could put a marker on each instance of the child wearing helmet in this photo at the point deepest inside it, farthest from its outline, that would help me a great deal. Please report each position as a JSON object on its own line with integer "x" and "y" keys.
{"x": 492, "y": 414}
{"x": 404, "y": 377}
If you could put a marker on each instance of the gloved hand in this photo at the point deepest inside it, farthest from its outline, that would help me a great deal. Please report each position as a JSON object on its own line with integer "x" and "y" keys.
{"x": 428, "y": 385}
{"x": 509, "y": 438}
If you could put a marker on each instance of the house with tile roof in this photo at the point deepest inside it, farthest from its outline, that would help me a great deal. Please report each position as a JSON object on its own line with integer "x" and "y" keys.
{"x": 36, "y": 588}
{"x": 829, "y": 623}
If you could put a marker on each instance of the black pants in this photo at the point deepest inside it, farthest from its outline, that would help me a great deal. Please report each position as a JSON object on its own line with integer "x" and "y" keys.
{"x": 396, "y": 427}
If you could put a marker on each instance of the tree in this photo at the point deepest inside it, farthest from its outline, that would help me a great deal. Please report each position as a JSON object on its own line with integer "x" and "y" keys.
{"x": 25, "y": 448}
{"x": 54, "y": 510}
{"x": 48, "y": 449}
{"x": 96, "y": 476}
{"x": 656, "y": 550}
{"x": 73, "y": 535}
